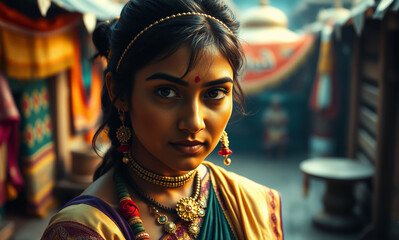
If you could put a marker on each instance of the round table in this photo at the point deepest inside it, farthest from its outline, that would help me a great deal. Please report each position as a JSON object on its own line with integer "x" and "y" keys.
{"x": 340, "y": 175}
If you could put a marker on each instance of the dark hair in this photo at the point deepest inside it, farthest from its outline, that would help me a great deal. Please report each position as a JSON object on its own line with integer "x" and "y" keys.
{"x": 161, "y": 40}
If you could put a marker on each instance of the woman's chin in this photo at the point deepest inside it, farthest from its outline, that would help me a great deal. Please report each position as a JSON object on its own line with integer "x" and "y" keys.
{"x": 188, "y": 164}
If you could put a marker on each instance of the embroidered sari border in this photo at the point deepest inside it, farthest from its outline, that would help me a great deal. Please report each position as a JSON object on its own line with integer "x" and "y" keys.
{"x": 66, "y": 227}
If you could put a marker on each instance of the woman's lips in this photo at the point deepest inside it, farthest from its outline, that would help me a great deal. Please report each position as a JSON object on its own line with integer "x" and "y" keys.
{"x": 187, "y": 147}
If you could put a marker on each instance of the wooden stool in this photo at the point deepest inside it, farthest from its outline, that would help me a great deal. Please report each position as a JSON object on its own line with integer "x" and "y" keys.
{"x": 340, "y": 175}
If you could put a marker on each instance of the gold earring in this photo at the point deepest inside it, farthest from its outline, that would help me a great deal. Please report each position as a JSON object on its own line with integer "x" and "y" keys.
{"x": 123, "y": 135}
{"x": 225, "y": 150}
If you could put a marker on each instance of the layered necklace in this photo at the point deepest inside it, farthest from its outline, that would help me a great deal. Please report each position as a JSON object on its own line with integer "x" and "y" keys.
{"x": 188, "y": 209}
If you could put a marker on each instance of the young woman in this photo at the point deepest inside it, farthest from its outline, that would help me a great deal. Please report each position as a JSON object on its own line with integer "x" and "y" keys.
{"x": 170, "y": 84}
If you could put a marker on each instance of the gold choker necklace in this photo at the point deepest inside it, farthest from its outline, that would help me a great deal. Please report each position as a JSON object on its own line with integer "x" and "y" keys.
{"x": 164, "y": 181}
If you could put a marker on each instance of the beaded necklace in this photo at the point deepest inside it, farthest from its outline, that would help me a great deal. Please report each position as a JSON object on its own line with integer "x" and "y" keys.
{"x": 151, "y": 201}
{"x": 164, "y": 181}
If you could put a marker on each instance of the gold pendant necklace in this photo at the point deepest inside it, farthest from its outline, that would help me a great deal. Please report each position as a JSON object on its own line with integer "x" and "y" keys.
{"x": 188, "y": 209}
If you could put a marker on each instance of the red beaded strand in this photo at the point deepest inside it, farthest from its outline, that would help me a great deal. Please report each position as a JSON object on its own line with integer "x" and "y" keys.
{"x": 130, "y": 210}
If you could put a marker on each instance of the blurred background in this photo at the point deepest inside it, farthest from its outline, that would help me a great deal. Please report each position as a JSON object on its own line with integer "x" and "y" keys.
{"x": 321, "y": 83}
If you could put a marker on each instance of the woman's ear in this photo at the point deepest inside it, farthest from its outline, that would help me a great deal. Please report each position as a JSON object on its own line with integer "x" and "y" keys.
{"x": 119, "y": 104}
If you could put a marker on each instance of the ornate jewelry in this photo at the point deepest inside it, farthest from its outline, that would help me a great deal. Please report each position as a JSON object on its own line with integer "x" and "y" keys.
{"x": 164, "y": 19}
{"x": 164, "y": 181}
{"x": 123, "y": 135}
{"x": 225, "y": 150}
{"x": 187, "y": 208}
{"x": 129, "y": 209}
{"x": 162, "y": 219}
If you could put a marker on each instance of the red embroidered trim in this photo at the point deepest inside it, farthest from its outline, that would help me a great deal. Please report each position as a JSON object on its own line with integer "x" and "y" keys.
{"x": 70, "y": 230}
{"x": 273, "y": 214}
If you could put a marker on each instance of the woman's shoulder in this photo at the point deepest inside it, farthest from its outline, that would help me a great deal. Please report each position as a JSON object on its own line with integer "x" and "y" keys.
{"x": 86, "y": 217}
{"x": 92, "y": 215}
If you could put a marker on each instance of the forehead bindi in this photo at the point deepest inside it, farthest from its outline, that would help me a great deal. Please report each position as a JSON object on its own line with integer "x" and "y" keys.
{"x": 197, "y": 79}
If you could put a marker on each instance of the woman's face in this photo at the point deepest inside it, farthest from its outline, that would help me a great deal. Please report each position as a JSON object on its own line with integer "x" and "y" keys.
{"x": 177, "y": 121}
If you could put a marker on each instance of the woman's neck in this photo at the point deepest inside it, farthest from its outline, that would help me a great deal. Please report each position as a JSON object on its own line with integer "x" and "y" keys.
{"x": 167, "y": 196}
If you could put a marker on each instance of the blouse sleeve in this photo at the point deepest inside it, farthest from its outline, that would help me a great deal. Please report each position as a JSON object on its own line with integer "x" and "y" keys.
{"x": 82, "y": 221}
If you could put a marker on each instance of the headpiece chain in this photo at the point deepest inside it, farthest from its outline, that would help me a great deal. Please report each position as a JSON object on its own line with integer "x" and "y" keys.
{"x": 162, "y": 20}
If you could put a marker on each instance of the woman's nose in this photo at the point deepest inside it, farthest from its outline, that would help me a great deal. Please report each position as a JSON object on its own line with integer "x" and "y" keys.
{"x": 192, "y": 117}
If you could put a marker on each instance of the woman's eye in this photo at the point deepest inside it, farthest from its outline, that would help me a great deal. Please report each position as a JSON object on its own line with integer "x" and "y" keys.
{"x": 216, "y": 94}
{"x": 166, "y": 92}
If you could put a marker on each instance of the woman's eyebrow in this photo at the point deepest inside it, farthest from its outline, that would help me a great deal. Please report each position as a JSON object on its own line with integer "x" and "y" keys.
{"x": 167, "y": 77}
{"x": 218, "y": 81}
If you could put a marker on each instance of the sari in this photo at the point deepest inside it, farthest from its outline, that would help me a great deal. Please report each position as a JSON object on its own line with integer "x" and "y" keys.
{"x": 237, "y": 208}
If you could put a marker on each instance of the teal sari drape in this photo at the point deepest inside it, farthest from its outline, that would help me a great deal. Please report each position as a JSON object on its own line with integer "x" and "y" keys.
{"x": 214, "y": 224}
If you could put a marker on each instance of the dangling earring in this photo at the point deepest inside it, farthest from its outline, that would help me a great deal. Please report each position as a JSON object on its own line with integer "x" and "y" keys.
{"x": 225, "y": 151}
{"x": 123, "y": 135}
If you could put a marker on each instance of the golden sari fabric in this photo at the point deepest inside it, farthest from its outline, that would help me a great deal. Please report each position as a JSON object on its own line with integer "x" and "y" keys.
{"x": 253, "y": 210}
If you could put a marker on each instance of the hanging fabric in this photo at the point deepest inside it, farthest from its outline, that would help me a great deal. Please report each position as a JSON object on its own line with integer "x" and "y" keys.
{"x": 324, "y": 95}
{"x": 85, "y": 79}
{"x": 268, "y": 64}
{"x": 34, "y": 49}
{"x": 37, "y": 153}
{"x": 11, "y": 181}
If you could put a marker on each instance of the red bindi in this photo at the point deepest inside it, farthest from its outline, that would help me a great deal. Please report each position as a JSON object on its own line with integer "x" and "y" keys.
{"x": 197, "y": 79}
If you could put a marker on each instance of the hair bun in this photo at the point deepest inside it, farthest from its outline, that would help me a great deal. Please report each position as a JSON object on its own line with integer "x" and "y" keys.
{"x": 101, "y": 38}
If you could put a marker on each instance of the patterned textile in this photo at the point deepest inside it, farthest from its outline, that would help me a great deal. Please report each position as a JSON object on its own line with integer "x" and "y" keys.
{"x": 10, "y": 176}
{"x": 37, "y": 149}
{"x": 240, "y": 209}
{"x": 31, "y": 49}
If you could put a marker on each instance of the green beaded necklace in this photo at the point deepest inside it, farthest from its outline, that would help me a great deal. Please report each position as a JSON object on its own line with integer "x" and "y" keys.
{"x": 129, "y": 209}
